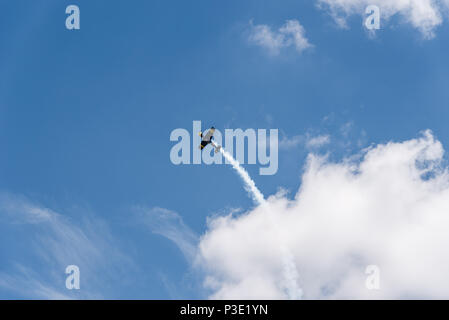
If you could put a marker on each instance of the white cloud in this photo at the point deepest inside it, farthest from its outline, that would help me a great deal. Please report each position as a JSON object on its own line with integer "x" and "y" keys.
{"x": 292, "y": 33}
{"x": 390, "y": 209}
{"x": 424, "y": 15}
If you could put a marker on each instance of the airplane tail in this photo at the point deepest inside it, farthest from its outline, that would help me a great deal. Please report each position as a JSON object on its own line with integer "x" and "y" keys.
{"x": 217, "y": 147}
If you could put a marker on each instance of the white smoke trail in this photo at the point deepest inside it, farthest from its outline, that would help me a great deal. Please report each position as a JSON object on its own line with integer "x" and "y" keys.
{"x": 250, "y": 185}
{"x": 290, "y": 273}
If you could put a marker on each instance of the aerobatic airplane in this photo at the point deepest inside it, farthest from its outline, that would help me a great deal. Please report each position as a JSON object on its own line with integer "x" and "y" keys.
{"x": 207, "y": 139}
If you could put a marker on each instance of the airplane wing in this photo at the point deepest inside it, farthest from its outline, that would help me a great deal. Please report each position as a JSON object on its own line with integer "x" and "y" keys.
{"x": 207, "y": 137}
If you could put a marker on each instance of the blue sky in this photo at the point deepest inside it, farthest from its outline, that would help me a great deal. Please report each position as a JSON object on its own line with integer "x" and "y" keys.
{"x": 86, "y": 115}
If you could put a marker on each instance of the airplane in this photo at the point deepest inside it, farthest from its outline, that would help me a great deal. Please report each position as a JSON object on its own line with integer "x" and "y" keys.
{"x": 208, "y": 139}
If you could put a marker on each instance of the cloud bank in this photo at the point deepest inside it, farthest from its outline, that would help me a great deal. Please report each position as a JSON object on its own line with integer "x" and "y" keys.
{"x": 389, "y": 208}
{"x": 423, "y": 15}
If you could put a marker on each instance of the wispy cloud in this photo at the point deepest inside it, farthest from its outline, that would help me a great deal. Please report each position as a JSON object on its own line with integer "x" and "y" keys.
{"x": 25, "y": 282}
{"x": 318, "y": 141}
{"x": 52, "y": 242}
{"x": 292, "y": 33}
{"x": 291, "y": 142}
{"x": 306, "y": 140}
{"x": 169, "y": 224}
